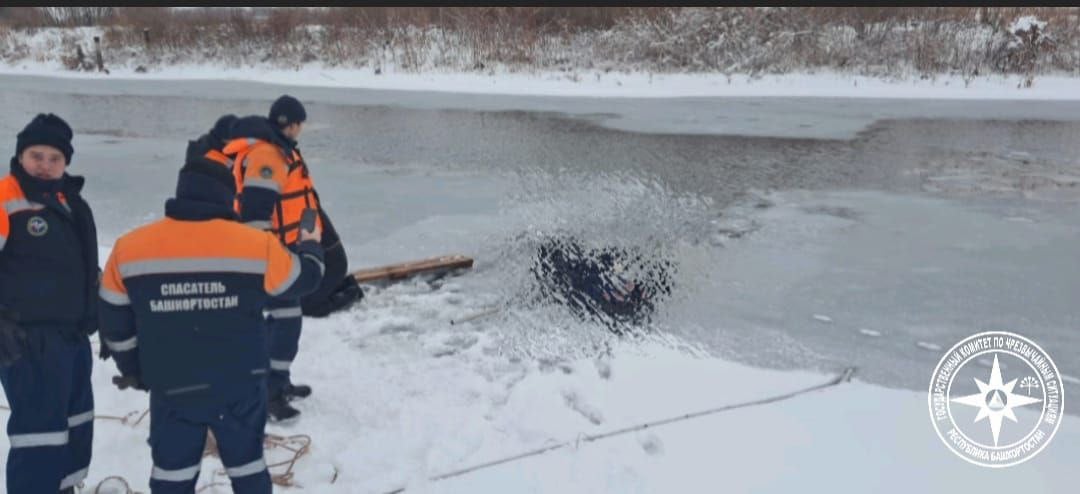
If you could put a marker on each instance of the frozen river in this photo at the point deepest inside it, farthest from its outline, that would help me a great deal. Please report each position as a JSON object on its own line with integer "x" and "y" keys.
{"x": 809, "y": 233}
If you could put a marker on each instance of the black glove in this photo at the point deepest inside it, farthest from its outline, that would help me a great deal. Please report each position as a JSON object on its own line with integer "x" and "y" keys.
{"x": 12, "y": 338}
{"x": 103, "y": 352}
{"x": 125, "y": 382}
{"x": 347, "y": 293}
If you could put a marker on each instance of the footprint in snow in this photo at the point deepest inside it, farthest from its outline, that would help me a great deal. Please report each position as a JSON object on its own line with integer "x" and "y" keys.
{"x": 462, "y": 341}
{"x": 394, "y": 327}
{"x": 574, "y": 401}
{"x": 453, "y": 345}
{"x": 651, "y": 444}
{"x": 603, "y": 369}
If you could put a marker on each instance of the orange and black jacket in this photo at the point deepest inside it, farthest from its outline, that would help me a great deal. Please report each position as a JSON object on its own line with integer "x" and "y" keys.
{"x": 273, "y": 182}
{"x": 48, "y": 253}
{"x": 182, "y": 299}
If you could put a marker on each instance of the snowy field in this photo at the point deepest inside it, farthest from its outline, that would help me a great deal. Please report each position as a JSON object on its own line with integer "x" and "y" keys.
{"x": 780, "y": 290}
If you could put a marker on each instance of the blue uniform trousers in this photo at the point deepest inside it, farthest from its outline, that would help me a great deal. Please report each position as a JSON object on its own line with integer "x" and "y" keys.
{"x": 51, "y": 426}
{"x": 284, "y": 321}
{"x": 178, "y": 437}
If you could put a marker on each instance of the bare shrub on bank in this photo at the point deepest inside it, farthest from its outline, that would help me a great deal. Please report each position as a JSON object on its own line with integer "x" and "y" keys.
{"x": 878, "y": 41}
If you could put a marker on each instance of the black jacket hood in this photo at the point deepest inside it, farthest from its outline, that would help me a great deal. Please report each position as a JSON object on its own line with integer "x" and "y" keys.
{"x": 259, "y": 127}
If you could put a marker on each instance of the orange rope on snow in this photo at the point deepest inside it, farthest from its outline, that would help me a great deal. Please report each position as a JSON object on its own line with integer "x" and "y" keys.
{"x": 298, "y": 445}
{"x": 126, "y": 419}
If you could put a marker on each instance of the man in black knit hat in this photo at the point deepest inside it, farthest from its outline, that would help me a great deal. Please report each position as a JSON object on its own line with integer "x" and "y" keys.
{"x": 48, "y": 290}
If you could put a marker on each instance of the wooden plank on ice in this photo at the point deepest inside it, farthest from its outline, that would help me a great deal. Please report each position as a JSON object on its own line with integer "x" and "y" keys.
{"x": 400, "y": 271}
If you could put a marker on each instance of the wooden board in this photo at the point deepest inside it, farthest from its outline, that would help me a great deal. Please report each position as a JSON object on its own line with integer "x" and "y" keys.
{"x": 400, "y": 271}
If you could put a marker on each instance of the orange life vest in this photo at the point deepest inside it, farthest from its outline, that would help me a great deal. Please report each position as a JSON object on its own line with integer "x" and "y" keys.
{"x": 289, "y": 174}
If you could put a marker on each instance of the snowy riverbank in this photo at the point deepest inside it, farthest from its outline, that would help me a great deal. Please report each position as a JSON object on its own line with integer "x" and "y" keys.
{"x": 598, "y": 84}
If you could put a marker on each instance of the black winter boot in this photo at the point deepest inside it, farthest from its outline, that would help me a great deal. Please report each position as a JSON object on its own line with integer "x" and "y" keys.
{"x": 279, "y": 411}
{"x": 296, "y": 391}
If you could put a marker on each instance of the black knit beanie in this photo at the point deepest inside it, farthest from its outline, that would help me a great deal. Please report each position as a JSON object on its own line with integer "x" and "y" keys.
{"x": 287, "y": 110}
{"x": 222, "y": 130}
{"x": 47, "y": 130}
{"x": 206, "y": 181}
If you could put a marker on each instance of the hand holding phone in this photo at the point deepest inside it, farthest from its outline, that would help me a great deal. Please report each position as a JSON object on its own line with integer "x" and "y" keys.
{"x": 308, "y": 225}
{"x": 307, "y": 219}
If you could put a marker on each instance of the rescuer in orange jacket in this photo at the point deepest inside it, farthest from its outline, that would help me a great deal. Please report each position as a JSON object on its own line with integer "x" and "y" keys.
{"x": 275, "y": 187}
{"x": 181, "y": 310}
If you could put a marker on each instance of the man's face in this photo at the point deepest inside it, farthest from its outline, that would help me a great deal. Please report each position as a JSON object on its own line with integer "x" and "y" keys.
{"x": 293, "y": 130}
{"x": 44, "y": 162}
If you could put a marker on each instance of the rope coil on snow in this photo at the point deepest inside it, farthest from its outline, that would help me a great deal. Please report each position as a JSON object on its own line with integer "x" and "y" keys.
{"x": 299, "y": 445}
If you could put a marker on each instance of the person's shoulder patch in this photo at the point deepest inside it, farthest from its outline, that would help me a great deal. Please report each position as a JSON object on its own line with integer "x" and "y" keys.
{"x": 266, "y": 172}
{"x": 37, "y": 226}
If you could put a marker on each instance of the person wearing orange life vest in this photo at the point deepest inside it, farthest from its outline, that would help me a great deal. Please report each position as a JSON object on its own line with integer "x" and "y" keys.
{"x": 275, "y": 187}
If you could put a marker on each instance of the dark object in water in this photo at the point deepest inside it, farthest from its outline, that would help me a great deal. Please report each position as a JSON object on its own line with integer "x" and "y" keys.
{"x": 618, "y": 287}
